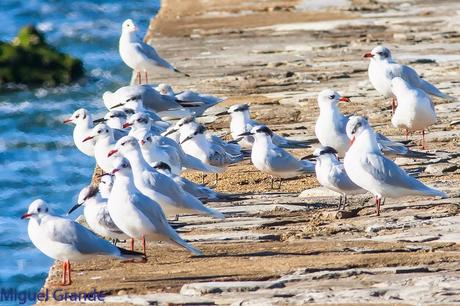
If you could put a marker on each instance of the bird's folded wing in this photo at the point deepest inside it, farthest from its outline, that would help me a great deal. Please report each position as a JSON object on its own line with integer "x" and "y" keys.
{"x": 163, "y": 184}
{"x": 150, "y": 54}
{"x": 281, "y": 161}
{"x": 104, "y": 219}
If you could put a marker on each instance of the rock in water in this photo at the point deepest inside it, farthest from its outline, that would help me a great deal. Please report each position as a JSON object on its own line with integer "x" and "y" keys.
{"x": 30, "y": 60}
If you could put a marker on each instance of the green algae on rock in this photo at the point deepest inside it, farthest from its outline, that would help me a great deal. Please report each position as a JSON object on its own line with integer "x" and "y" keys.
{"x": 30, "y": 60}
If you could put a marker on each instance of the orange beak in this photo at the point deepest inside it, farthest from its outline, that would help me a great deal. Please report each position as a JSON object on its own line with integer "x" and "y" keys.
{"x": 368, "y": 54}
{"x": 127, "y": 125}
{"x": 344, "y": 99}
{"x": 115, "y": 171}
{"x": 112, "y": 152}
{"x": 26, "y": 216}
{"x": 352, "y": 140}
{"x": 142, "y": 142}
{"x": 67, "y": 120}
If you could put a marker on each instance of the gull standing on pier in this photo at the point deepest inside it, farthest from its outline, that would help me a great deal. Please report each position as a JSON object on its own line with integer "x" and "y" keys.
{"x": 66, "y": 240}
{"x": 368, "y": 168}
{"x": 83, "y": 125}
{"x": 382, "y": 69}
{"x": 136, "y": 214}
{"x": 138, "y": 55}
{"x": 415, "y": 110}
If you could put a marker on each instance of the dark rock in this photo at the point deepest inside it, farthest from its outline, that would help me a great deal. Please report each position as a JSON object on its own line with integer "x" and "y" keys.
{"x": 30, "y": 60}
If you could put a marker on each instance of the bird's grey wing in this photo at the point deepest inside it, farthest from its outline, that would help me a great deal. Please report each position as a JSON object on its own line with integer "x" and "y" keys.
{"x": 412, "y": 77}
{"x": 82, "y": 239}
{"x": 163, "y": 184}
{"x": 104, "y": 219}
{"x": 150, "y": 54}
{"x": 339, "y": 178}
{"x": 389, "y": 146}
{"x": 157, "y": 102}
{"x": 341, "y": 123}
{"x": 280, "y": 160}
{"x": 387, "y": 172}
{"x": 219, "y": 157}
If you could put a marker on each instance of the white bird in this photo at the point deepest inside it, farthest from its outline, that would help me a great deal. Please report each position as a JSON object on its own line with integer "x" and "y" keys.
{"x": 159, "y": 187}
{"x": 191, "y": 99}
{"x": 241, "y": 122}
{"x": 83, "y": 125}
{"x": 331, "y": 174}
{"x": 194, "y": 142}
{"x": 137, "y": 215}
{"x": 330, "y": 128}
{"x": 273, "y": 160}
{"x": 415, "y": 110}
{"x": 66, "y": 240}
{"x": 368, "y": 168}
{"x": 96, "y": 213}
{"x": 103, "y": 135}
{"x": 382, "y": 69}
{"x": 141, "y": 124}
{"x": 154, "y": 151}
{"x": 200, "y": 191}
{"x": 138, "y": 55}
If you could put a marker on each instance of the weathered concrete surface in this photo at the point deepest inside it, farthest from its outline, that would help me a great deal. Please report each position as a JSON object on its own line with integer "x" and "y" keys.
{"x": 275, "y": 247}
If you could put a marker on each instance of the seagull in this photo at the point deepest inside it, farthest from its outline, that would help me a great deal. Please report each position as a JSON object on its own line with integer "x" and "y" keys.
{"x": 330, "y": 128}
{"x": 331, "y": 174}
{"x": 66, "y": 240}
{"x": 141, "y": 124}
{"x": 368, "y": 168}
{"x": 241, "y": 122}
{"x": 105, "y": 142}
{"x": 83, "y": 125}
{"x": 137, "y": 215}
{"x": 200, "y": 191}
{"x": 273, "y": 160}
{"x": 194, "y": 142}
{"x": 382, "y": 68}
{"x": 138, "y": 55}
{"x": 158, "y": 187}
{"x": 415, "y": 110}
{"x": 191, "y": 99}
{"x": 154, "y": 151}
{"x": 96, "y": 213}
{"x": 114, "y": 118}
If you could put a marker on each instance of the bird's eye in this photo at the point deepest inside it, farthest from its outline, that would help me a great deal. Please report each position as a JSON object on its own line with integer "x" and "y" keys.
{"x": 106, "y": 131}
{"x": 332, "y": 97}
{"x": 149, "y": 138}
{"x": 125, "y": 165}
{"x": 39, "y": 209}
{"x": 139, "y": 120}
{"x": 100, "y": 131}
{"x": 123, "y": 143}
{"x": 77, "y": 116}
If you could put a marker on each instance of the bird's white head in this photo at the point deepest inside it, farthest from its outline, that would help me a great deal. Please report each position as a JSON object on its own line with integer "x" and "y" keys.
{"x": 146, "y": 141}
{"x": 128, "y": 26}
{"x": 329, "y": 97}
{"x": 100, "y": 131}
{"x": 115, "y": 115}
{"x": 87, "y": 193}
{"x": 80, "y": 115}
{"x": 379, "y": 53}
{"x": 323, "y": 150}
{"x": 139, "y": 120}
{"x": 121, "y": 167}
{"x": 192, "y": 132}
{"x": 355, "y": 126}
{"x": 238, "y": 108}
{"x": 165, "y": 89}
{"x": 105, "y": 185}
{"x": 260, "y": 131}
{"x": 36, "y": 209}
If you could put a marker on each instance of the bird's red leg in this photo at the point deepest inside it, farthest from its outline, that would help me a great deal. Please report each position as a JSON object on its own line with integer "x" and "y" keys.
{"x": 378, "y": 202}
{"x": 138, "y": 77}
{"x": 407, "y": 134}
{"x": 64, "y": 268}
{"x": 146, "y": 77}
{"x": 68, "y": 272}
{"x": 423, "y": 140}
{"x": 143, "y": 245}
{"x": 132, "y": 244}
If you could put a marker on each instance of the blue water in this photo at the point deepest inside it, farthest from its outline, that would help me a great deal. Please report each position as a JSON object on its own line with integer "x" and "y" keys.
{"x": 37, "y": 155}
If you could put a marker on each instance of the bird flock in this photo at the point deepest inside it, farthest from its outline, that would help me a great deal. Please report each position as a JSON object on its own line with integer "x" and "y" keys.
{"x": 150, "y": 135}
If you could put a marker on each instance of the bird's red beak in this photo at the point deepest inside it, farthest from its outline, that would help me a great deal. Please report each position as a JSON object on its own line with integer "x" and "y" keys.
{"x": 115, "y": 171}
{"x": 344, "y": 99}
{"x": 352, "y": 140}
{"x": 127, "y": 125}
{"x": 68, "y": 120}
{"x": 112, "y": 152}
{"x": 142, "y": 142}
{"x": 87, "y": 138}
{"x": 368, "y": 54}
{"x": 26, "y": 216}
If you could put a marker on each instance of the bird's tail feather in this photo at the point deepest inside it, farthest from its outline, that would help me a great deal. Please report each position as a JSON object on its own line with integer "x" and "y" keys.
{"x": 179, "y": 241}
{"x": 296, "y": 144}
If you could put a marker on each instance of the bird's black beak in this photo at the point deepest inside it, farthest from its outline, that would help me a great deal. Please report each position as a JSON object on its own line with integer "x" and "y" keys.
{"x": 169, "y": 131}
{"x": 246, "y": 134}
{"x": 221, "y": 113}
{"x": 74, "y": 208}
{"x": 99, "y": 120}
{"x": 118, "y": 105}
{"x": 187, "y": 138}
{"x": 308, "y": 157}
